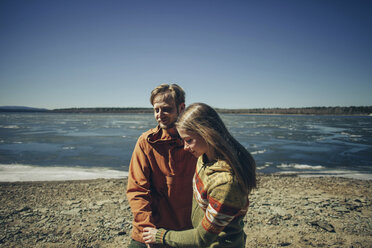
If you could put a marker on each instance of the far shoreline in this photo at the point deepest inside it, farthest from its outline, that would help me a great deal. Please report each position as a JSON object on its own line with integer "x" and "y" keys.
{"x": 307, "y": 111}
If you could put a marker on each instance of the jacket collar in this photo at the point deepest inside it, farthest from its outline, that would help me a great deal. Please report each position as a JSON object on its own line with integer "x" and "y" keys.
{"x": 161, "y": 135}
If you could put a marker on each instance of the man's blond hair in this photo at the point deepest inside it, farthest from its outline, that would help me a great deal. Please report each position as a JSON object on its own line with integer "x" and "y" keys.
{"x": 173, "y": 90}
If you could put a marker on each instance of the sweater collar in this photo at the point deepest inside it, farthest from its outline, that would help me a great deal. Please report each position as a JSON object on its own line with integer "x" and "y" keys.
{"x": 205, "y": 161}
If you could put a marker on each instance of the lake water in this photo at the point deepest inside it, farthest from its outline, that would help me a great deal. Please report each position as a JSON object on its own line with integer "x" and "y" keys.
{"x": 100, "y": 145}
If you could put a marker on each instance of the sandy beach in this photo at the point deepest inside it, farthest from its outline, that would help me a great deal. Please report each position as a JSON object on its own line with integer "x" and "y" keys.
{"x": 286, "y": 211}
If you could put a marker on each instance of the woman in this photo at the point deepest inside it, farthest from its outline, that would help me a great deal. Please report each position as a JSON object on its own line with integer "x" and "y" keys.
{"x": 225, "y": 175}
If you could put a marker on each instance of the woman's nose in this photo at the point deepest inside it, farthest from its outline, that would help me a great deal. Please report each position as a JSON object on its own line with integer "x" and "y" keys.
{"x": 185, "y": 146}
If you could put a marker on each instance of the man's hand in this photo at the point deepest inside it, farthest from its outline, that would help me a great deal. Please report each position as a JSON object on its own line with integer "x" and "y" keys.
{"x": 149, "y": 235}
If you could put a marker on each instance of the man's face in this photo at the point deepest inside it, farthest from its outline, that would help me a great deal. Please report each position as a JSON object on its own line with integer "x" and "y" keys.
{"x": 165, "y": 110}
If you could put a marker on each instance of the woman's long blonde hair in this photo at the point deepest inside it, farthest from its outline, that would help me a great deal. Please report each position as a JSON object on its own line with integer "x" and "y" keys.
{"x": 203, "y": 120}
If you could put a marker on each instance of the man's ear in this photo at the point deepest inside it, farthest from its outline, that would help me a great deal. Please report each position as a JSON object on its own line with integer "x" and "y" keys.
{"x": 181, "y": 108}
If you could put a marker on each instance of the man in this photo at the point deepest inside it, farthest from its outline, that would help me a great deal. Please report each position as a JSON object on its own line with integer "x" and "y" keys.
{"x": 160, "y": 173}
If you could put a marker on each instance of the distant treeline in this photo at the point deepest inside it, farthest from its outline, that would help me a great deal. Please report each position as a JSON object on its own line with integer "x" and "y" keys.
{"x": 280, "y": 111}
{"x": 103, "y": 110}
{"x": 362, "y": 110}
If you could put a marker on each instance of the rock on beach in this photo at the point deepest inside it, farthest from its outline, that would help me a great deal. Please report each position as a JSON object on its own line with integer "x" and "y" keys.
{"x": 285, "y": 211}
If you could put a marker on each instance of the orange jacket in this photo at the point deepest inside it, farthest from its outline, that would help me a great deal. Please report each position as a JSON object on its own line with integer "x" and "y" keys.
{"x": 159, "y": 187}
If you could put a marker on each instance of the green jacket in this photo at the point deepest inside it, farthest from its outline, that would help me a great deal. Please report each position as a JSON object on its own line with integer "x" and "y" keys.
{"x": 219, "y": 206}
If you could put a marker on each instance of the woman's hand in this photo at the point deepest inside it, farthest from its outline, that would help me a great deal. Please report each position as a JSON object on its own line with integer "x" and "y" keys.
{"x": 149, "y": 235}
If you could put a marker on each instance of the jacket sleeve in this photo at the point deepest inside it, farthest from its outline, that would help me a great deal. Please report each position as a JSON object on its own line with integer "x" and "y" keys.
{"x": 225, "y": 203}
{"x": 138, "y": 190}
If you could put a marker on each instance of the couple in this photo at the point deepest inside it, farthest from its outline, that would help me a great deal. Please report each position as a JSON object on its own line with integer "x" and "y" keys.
{"x": 189, "y": 179}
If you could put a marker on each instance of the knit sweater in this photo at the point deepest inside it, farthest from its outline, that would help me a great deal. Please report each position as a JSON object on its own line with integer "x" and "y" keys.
{"x": 219, "y": 206}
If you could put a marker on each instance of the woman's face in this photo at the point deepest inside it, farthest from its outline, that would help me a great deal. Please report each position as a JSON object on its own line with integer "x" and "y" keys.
{"x": 193, "y": 143}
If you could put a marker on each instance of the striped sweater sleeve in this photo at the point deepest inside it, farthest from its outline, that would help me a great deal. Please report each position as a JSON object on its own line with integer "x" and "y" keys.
{"x": 224, "y": 201}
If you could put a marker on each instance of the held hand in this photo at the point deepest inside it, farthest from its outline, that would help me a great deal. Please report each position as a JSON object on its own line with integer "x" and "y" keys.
{"x": 149, "y": 235}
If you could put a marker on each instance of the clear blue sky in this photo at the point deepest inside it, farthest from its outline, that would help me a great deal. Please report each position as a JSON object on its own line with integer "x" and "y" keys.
{"x": 229, "y": 54}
